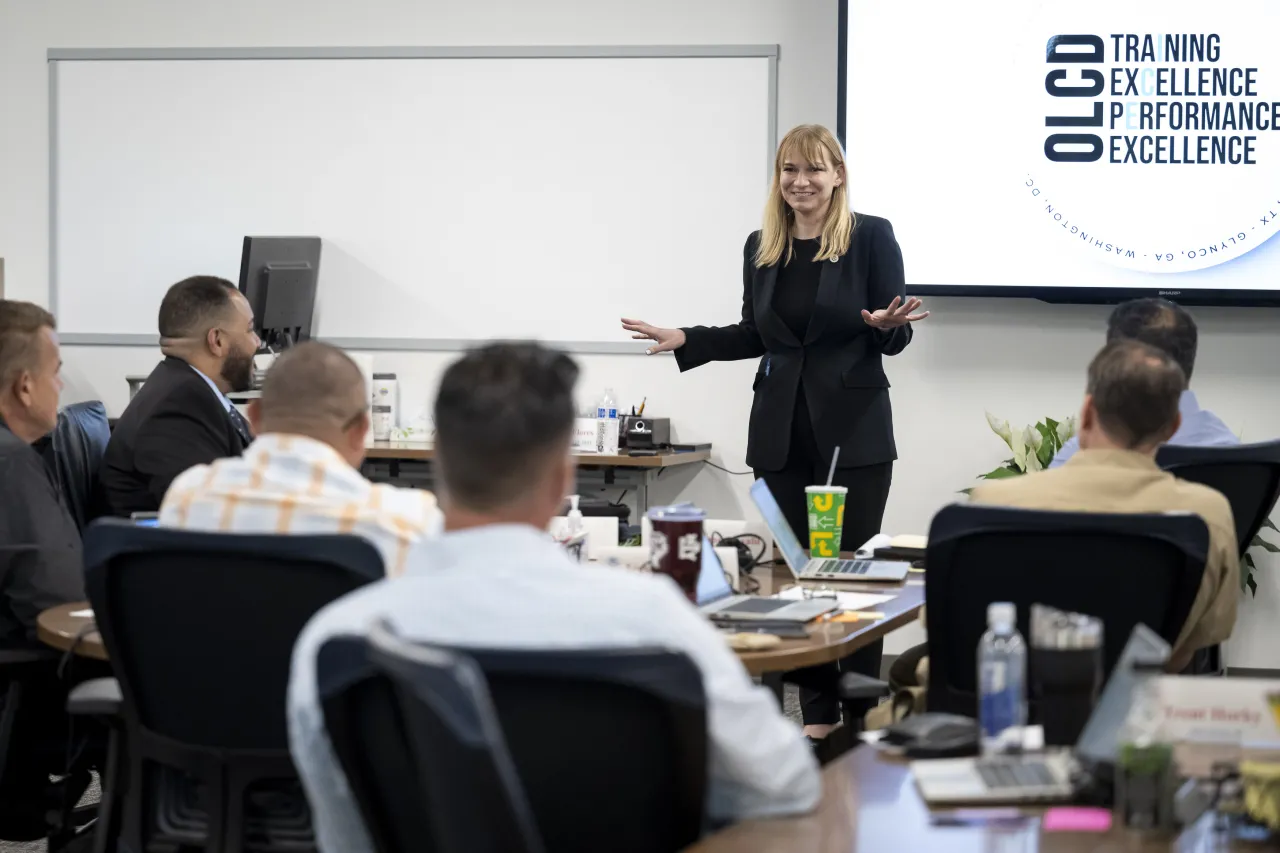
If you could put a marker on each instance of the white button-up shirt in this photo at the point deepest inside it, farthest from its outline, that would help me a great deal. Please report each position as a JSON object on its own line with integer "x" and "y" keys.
{"x": 512, "y": 587}
{"x": 292, "y": 484}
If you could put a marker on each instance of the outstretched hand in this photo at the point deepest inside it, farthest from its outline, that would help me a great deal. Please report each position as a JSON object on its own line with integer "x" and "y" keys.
{"x": 666, "y": 339}
{"x": 898, "y": 313}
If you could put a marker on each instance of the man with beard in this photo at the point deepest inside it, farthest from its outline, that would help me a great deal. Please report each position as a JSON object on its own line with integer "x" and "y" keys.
{"x": 181, "y": 416}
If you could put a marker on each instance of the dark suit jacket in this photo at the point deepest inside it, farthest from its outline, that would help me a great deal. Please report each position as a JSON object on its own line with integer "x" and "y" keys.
{"x": 839, "y": 359}
{"x": 175, "y": 421}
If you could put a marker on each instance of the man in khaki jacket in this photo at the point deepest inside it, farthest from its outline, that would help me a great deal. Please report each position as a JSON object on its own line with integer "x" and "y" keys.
{"x": 1130, "y": 409}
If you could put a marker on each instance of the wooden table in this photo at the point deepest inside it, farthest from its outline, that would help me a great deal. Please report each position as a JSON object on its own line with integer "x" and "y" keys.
{"x": 831, "y": 641}
{"x": 870, "y": 805}
{"x": 634, "y": 472}
{"x": 60, "y": 626}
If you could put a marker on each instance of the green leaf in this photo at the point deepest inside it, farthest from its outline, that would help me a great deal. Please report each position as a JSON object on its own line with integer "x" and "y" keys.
{"x": 1246, "y": 574}
{"x": 1052, "y": 437}
{"x": 1269, "y": 525}
{"x": 1259, "y": 542}
{"x": 967, "y": 491}
{"x": 1047, "y": 448}
{"x": 1253, "y": 586}
{"x": 1001, "y": 474}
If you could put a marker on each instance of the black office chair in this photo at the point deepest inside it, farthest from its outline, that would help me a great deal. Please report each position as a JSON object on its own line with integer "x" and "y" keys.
{"x": 609, "y": 746}
{"x": 422, "y": 747}
{"x": 1248, "y": 475}
{"x": 200, "y": 628}
{"x": 79, "y": 443}
{"x": 1123, "y": 569}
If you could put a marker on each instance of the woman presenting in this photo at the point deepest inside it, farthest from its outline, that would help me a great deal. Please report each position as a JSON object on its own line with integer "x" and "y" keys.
{"x": 823, "y": 301}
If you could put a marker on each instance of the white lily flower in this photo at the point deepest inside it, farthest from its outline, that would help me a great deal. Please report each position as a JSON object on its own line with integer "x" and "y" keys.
{"x": 1019, "y": 448}
{"x": 999, "y": 427}
{"x": 1066, "y": 429}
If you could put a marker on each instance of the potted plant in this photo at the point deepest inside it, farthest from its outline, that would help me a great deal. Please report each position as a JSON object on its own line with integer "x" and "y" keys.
{"x": 1033, "y": 446}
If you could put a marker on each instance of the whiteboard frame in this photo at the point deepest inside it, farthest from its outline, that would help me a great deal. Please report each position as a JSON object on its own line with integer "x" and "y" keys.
{"x": 667, "y": 51}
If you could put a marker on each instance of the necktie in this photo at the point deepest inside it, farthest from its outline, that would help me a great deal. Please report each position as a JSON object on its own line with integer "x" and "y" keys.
{"x": 241, "y": 425}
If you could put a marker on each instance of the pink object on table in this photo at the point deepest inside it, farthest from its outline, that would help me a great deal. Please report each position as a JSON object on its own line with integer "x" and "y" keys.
{"x": 1076, "y": 819}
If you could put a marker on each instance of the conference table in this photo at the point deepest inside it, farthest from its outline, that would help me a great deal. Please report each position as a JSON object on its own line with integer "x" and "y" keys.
{"x": 832, "y": 639}
{"x": 870, "y": 805}
{"x": 622, "y": 469}
{"x": 69, "y": 627}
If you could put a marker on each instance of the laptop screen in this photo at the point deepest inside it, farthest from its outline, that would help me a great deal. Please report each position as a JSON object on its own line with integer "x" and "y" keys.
{"x": 712, "y": 584}
{"x": 792, "y": 550}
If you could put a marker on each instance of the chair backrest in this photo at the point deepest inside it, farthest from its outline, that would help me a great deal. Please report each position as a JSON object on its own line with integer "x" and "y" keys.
{"x": 200, "y": 627}
{"x": 1123, "y": 569}
{"x": 609, "y": 745}
{"x": 436, "y": 774}
{"x": 78, "y": 444}
{"x": 1248, "y": 475}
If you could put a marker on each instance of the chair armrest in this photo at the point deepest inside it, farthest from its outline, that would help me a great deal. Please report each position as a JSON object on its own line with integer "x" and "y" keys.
{"x": 856, "y": 686}
{"x": 97, "y": 698}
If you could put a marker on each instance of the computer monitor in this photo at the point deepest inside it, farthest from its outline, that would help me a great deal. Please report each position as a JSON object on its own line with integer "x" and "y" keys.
{"x": 278, "y": 277}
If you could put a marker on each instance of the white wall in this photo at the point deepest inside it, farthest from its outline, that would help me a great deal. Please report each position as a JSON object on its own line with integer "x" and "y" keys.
{"x": 1019, "y": 359}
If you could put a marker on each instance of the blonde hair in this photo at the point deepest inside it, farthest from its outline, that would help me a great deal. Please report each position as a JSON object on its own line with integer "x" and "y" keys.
{"x": 815, "y": 144}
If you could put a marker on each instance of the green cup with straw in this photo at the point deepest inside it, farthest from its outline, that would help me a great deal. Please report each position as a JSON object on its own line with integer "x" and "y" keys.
{"x": 826, "y": 514}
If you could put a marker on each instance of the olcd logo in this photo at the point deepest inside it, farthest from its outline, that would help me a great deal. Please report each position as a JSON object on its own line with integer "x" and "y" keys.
{"x": 1155, "y": 151}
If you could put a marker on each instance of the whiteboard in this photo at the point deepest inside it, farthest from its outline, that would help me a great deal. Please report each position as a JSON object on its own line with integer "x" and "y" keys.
{"x": 458, "y": 198}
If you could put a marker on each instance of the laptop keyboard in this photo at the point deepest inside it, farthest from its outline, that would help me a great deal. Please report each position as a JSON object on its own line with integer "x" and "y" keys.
{"x": 757, "y": 605}
{"x": 844, "y": 567}
{"x": 1003, "y": 774}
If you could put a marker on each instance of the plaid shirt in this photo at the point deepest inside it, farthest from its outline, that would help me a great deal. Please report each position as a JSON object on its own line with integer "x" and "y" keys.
{"x": 292, "y": 484}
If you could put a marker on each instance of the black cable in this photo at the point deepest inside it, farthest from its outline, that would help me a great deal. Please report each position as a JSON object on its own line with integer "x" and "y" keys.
{"x": 747, "y": 558}
{"x": 727, "y": 471}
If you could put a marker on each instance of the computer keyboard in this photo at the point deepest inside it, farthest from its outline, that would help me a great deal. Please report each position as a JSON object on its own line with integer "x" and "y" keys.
{"x": 1000, "y": 774}
{"x": 845, "y": 567}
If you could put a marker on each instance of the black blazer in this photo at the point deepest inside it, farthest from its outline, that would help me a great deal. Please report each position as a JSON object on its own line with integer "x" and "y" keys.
{"x": 839, "y": 359}
{"x": 174, "y": 422}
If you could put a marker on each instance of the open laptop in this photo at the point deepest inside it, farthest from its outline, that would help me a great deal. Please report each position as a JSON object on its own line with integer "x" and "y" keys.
{"x": 1047, "y": 778}
{"x": 717, "y": 600}
{"x": 818, "y": 568}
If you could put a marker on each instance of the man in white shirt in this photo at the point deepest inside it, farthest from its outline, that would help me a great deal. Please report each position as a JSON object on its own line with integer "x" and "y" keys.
{"x": 504, "y": 419}
{"x": 301, "y": 475}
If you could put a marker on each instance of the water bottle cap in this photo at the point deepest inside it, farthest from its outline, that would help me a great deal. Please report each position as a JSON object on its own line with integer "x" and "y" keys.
{"x": 1001, "y": 613}
{"x": 677, "y": 512}
{"x": 573, "y": 503}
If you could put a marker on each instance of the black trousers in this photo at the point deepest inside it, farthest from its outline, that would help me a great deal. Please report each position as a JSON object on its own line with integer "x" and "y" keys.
{"x": 863, "y": 514}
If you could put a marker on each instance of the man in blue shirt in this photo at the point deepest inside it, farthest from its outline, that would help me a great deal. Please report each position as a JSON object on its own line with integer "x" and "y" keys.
{"x": 1165, "y": 326}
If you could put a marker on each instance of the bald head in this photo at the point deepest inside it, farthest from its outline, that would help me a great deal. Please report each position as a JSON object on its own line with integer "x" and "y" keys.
{"x": 317, "y": 391}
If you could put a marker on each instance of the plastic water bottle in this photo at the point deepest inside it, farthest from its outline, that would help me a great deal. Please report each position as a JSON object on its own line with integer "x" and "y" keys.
{"x": 607, "y": 423}
{"x": 1002, "y": 679}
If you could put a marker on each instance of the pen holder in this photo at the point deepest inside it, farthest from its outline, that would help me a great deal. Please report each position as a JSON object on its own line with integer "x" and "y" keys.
{"x": 1064, "y": 686}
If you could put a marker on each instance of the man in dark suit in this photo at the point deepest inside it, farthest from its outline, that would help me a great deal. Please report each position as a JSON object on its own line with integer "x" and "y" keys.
{"x": 181, "y": 416}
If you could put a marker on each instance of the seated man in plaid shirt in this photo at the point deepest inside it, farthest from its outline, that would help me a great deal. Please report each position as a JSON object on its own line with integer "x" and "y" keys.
{"x": 301, "y": 474}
